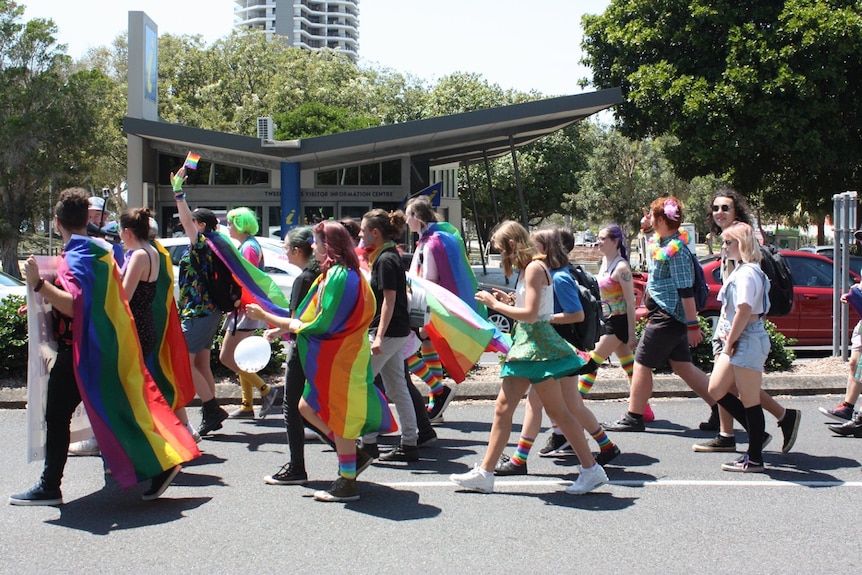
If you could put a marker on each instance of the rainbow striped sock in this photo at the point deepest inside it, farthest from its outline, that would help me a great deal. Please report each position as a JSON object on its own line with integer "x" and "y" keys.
{"x": 586, "y": 382}
{"x": 432, "y": 359}
{"x": 602, "y": 439}
{"x": 628, "y": 365}
{"x": 522, "y": 451}
{"x": 347, "y": 466}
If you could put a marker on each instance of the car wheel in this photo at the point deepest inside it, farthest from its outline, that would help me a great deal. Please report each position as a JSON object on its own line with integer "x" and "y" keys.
{"x": 712, "y": 319}
{"x": 503, "y": 323}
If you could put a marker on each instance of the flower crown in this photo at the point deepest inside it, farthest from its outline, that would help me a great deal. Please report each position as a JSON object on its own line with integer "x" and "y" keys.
{"x": 671, "y": 210}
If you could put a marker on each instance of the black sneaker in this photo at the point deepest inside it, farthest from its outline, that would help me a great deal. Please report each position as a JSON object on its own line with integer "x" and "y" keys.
{"x": 402, "y": 453}
{"x": 212, "y": 420}
{"x": 426, "y": 437}
{"x": 363, "y": 460}
{"x": 160, "y": 483}
{"x": 625, "y": 423}
{"x": 556, "y": 446}
{"x": 370, "y": 449}
{"x": 713, "y": 423}
{"x": 441, "y": 402}
{"x": 843, "y": 412}
{"x": 288, "y": 475}
{"x": 507, "y": 467}
{"x": 37, "y": 495}
{"x": 605, "y": 457}
{"x": 789, "y": 425}
{"x": 268, "y": 401}
{"x": 719, "y": 443}
{"x": 341, "y": 490}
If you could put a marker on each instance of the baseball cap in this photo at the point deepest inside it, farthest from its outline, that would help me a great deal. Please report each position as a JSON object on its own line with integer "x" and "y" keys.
{"x": 206, "y": 216}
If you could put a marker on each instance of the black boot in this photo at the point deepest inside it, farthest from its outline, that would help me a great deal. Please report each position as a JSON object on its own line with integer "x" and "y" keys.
{"x": 212, "y": 416}
{"x": 711, "y": 424}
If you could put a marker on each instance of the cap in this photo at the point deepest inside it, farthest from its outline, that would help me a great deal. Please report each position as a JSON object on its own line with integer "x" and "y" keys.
{"x": 206, "y": 216}
{"x": 96, "y": 203}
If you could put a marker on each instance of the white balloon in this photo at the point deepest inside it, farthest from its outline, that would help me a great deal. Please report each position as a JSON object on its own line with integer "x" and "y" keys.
{"x": 252, "y": 354}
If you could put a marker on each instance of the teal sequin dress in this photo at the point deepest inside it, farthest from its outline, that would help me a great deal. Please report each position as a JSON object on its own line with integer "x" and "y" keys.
{"x": 538, "y": 352}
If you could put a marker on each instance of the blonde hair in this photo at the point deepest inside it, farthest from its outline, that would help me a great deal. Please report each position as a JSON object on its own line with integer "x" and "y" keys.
{"x": 524, "y": 250}
{"x": 743, "y": 233}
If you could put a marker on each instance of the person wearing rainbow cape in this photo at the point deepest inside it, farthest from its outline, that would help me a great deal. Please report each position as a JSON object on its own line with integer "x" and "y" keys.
{"x": 440, "y": 257}
{"x": 672, "y": 326}
{"x": 99, "y": 360}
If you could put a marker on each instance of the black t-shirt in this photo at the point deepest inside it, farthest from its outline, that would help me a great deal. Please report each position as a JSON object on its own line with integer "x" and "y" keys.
{"x": 388, "y": 274}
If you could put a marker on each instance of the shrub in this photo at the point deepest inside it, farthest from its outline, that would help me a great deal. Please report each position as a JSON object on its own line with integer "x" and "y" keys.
{"x": 780, "y": 357}
{"x": 13, "y": 337}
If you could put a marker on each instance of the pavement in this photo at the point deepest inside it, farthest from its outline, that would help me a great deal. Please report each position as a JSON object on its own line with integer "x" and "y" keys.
{"x": 608, "y": 386}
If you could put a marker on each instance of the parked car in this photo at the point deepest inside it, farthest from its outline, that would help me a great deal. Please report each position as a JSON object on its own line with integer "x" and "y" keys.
{"x": 829, "y": 251}
{"x": 276, "y": 264}
{"x": 810, "y": 318}
{"x": 11, "y": 286}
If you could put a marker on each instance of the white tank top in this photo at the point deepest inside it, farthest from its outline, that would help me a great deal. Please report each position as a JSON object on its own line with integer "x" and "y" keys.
{"x": 546, "y": 298}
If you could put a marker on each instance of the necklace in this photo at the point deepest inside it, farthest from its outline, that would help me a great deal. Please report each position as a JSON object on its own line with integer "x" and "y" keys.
{"x": 664, "y": 253}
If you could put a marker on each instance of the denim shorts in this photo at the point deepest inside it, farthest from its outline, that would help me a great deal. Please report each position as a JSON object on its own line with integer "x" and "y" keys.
{"x": 201, "y": 331}
{"x": 752, "y": 349}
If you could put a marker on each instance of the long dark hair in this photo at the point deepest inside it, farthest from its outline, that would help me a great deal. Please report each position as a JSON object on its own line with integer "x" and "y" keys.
{"x": 740, "y": 208}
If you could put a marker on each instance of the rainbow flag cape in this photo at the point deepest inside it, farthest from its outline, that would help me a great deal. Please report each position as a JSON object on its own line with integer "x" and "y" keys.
{"x": 138, "y": 432}
{"x": 192, "y": 161}
{"x": 336, "y": 354}
{"x": 256, "y": 284}
{"x": 459, "y": 334}
{"x": 454, "y": 270}
{"x": 169, "y": 361}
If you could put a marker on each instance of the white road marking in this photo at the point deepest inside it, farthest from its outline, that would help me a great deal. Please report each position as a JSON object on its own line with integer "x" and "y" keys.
{"x": 638, "y": 483}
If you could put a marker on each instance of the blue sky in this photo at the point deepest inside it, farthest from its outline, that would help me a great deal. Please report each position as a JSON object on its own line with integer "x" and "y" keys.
{"x": 516, "y": 44}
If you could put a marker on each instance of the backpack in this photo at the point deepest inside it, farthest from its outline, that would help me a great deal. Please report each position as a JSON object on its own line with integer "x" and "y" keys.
{"x": 222, "y": 288}
{"x": 780, "y": 281}
{"x": 584, "y": 335}
{"x": 700, "y": 287}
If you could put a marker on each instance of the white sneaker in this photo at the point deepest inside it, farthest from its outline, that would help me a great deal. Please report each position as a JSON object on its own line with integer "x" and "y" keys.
{"x": 86, "y": 447}
{"x": 588, "y": 479}
{"x": 193, "y": 432}
{"x": 474, "y": 480}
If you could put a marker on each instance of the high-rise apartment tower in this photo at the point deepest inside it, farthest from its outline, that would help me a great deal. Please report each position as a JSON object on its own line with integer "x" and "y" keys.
{"x": 310, "y": 24}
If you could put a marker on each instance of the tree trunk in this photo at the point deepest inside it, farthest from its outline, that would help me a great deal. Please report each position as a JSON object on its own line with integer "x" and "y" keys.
{"x": 9, "y": 256}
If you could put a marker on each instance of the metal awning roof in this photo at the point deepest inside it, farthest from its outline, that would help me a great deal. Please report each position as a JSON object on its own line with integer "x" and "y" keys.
{"x": 464, "y": 137}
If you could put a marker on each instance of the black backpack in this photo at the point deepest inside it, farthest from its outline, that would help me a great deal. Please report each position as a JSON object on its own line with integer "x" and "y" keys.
{"x": 584, "y": 335}
{"x": 223, "y": 289}
{"x": 700, "y": 287}
{"x": 780, "y": 280}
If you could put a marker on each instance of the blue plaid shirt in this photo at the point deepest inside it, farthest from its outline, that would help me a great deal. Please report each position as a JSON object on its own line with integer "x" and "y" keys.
{"x": 666, "y": 277}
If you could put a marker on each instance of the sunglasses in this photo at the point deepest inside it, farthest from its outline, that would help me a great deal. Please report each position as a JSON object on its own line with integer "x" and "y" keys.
{"x": 729, "y": 242}
{"x": 722, "y": 207}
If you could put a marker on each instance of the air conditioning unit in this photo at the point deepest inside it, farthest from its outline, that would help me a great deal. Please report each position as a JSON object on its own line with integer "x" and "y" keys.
{"x": 265, "y": 129}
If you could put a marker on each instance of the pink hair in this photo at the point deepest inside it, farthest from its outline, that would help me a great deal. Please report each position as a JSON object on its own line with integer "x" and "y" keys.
{"x": 339, "y": 245}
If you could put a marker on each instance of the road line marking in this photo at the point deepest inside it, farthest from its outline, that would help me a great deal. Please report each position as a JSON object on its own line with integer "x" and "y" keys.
{"x": 642, "y": 483}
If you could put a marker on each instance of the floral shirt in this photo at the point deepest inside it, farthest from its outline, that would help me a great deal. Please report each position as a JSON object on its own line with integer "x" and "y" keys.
{"x": 195, "y": 262}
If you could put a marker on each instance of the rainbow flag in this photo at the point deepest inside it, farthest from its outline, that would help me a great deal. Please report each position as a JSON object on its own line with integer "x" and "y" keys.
{"x": 459, "y": 334}
{"x": 138, "y": 432}
{"x": 256, "y": 284}
{"x": 169, "y": 361}
{"x": 192, "y": 161}
{"x": 336, "y": 355}
{"x": 453, "y": 268}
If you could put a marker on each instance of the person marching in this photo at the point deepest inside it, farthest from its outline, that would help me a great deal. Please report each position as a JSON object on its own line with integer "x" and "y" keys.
{"x": 242, "y": 226}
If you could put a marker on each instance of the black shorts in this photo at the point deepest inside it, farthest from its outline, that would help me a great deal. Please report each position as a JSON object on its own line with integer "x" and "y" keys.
{"x": 617, "y": 326}
{"x": 663, "y": 339}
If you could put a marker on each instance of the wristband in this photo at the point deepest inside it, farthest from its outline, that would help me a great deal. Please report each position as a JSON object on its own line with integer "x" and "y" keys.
{"x": 39, "y": 284}
{"x": 693, "y": 327}
{"x": 694, "y": 322}
{"x": 180, "y": 197}
{"x": 177, "y": 183}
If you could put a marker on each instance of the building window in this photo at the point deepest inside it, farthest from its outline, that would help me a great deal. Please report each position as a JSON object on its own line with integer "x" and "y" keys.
{"x": 386, "y": 173}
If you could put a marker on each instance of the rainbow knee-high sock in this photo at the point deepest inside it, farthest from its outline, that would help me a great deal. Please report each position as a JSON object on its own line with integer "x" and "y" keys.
{"x": 628, "y": 365}
{"x": 602, "y": 439}
{"x": 587, "y": 380}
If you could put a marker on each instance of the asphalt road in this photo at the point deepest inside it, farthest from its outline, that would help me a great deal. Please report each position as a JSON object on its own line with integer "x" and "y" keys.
{"x": 666, "y": 510}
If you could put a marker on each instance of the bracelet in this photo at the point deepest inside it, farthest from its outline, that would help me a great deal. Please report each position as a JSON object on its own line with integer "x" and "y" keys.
{"x": 39, "y": 284}
{"x": 694, "y": 327}
{"x": 692, "y": 322}
{"x": 181, "y": 197}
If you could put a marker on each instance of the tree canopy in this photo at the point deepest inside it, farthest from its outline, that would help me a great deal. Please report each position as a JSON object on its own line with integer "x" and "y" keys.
{"x": 765, "y": 93}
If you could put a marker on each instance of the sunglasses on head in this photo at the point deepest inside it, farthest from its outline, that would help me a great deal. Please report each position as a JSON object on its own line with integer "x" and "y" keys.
{"x": 722, "y": 207}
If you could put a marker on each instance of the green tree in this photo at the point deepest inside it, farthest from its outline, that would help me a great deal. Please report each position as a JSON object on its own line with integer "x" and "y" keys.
{"x": 313, "y": 119}
{"x": 47, "y": 117}
{"x": 765, "y": 93}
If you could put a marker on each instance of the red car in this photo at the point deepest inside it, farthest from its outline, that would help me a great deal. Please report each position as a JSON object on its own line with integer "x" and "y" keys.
{"x": 810, "y": 319}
